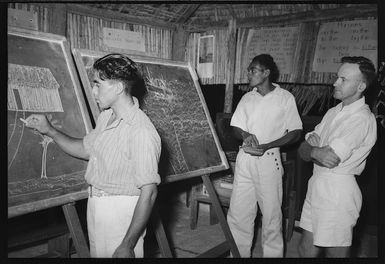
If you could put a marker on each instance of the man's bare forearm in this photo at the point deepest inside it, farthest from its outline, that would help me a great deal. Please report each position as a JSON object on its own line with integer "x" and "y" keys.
{"x": 287, "y": 139}
{"x": 304, "y": 151}
{"x": 322, "y": 156}
{"x": 141, "y": 215}
{"x": 240, "y": 133}
{"x": 70, "y": 145}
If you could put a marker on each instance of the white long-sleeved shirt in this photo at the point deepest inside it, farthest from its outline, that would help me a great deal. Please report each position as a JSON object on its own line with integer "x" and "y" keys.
{"x": 351, "y": 131}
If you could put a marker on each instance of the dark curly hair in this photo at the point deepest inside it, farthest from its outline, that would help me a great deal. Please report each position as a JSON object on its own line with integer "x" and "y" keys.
{"x": 365, "y": 65}
{"x": 119, "y": 67}
{"x": 267, "y": 62}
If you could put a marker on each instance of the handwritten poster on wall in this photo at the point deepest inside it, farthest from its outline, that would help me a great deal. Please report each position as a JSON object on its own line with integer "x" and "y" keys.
{"x": 345, "y": 38}
{"x": 123, "y": 39}
{"x": 279, "y": 42}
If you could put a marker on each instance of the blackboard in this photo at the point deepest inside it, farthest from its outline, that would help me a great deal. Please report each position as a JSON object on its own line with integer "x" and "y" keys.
{"x": 176, "y": 106}
{"x": 42, "y": 79}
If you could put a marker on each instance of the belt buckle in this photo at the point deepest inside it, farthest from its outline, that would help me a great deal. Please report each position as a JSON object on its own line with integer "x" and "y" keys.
{"x": 93, "y": 192}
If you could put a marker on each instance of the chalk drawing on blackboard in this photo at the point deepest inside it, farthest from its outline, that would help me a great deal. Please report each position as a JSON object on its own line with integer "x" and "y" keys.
{"x": 159, "y": 87}
{"x": 161, "y": 92}
{"x": 32, "y": 89}
{"x": 16, "y": 135}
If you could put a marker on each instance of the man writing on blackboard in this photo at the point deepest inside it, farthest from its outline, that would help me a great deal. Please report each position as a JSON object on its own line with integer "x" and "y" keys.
{"x": 123, "y": 153}
{"x": 338, "y": 146}
{"x": 265, "y": 119}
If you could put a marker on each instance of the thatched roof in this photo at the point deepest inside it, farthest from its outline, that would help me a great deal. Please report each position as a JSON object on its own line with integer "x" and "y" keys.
{"x": 200, "y": 15}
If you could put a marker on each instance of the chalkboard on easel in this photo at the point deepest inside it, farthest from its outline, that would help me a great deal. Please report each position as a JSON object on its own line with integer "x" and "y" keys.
{"x": 175, "y": 104}
{"x": 42, "y": 79}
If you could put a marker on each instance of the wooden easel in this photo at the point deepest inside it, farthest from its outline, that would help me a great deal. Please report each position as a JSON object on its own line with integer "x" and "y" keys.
{"x": 229, "y": 244}
{"x": 79, "y": 240}
{"x": 216, "y": 251}
{"x": 60, "y": 244}
{"x": 76, "y": 231}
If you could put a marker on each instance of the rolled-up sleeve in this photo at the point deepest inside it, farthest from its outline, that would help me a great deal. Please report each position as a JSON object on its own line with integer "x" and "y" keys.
{"x": 349, "y": 138}
{"x": 146, "y": 154}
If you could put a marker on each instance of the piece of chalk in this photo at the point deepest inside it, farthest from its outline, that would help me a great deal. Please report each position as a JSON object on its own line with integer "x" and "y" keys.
{"x": 23, "y": 120}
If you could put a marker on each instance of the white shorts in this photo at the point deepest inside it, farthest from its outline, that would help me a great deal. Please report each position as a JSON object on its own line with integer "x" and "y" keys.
{"x": 331, "y": 209}
{"x": 108, "y": 219}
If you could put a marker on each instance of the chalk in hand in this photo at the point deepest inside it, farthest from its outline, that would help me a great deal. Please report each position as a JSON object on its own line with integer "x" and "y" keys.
{"x": 23, "y": 120}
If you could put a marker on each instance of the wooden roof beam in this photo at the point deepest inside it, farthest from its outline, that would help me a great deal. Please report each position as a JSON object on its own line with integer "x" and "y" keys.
{"x": 293, "y": 18}
{"x": 122, "y": 7}
{"x": 115, "y": 16}
{"x": 231, "y": 10}
{"x": 187, "y": 13}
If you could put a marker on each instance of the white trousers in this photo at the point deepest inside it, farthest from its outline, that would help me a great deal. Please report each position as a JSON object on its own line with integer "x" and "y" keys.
{"x": 257, "y": 181}
{"x": 108, "y": 219}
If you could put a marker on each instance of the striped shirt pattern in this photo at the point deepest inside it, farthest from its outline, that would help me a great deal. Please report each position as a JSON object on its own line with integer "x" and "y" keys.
{"x": 124, "y": 155}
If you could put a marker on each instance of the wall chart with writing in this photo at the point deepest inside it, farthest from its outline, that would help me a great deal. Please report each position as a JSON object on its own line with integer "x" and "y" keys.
{"x": 279, "y": 42}
{"x": 345, "y": 38}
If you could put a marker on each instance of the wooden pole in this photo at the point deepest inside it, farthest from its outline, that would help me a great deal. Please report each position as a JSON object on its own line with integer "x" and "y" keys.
{"x": 179, "y": 41}
{"x": 230, "y": 65}
{"x": 58, "y": 19}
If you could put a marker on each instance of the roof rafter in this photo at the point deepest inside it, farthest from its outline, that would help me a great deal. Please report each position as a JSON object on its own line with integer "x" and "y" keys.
{"x": 292, "y": 18}
{"x": 114, "y": 15}
{"x": 187, "y": 13}
{"x": 231, "y": 10}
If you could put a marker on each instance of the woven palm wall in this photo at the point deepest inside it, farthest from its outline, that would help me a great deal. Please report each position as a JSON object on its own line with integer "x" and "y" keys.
{"x": 84, "y": 31}
{"x": 43, "y": 14}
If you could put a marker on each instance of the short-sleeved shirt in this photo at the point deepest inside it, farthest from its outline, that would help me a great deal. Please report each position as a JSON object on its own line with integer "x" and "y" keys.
{"x": 124, "y": 155}
{"x": 268, "y": 117}
{"x": 351, "y": 131}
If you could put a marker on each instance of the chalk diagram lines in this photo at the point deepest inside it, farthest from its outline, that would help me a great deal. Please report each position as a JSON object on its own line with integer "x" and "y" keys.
{"x": 30, "y": 89}
{"x": 162, "y": 94}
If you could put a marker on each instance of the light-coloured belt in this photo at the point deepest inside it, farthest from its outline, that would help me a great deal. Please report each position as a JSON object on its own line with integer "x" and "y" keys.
{"x": 93, "y": 191}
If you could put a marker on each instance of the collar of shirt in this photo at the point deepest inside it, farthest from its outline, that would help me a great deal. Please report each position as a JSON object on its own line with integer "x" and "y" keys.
{"x": 255, "y": 90}
{"x": 128, "y": 116}
{"x": 352, "y": 107}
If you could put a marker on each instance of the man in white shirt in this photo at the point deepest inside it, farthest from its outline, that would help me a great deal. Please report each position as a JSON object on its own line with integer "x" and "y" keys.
{"x": 265, "y": 119}
{"x": 338, "y": 146}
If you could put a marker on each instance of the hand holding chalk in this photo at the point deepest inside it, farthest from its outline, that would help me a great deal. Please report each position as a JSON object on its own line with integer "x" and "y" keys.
{"x": 38, "y": 122}
{"x": 24, "y": 121}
